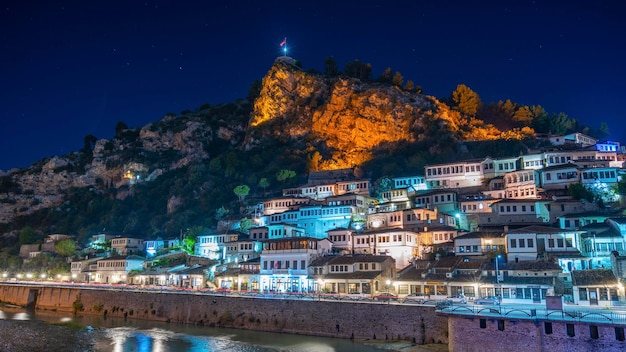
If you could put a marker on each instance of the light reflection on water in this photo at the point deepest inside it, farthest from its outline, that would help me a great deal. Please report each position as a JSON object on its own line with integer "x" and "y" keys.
{"x": 148, "y": 336}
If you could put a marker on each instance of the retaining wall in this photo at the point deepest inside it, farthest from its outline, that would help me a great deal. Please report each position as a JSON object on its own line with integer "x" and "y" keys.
{"x": 320, "y": 318}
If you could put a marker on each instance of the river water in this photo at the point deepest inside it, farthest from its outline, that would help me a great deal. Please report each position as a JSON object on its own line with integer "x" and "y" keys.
{"x": 150, "y": 336}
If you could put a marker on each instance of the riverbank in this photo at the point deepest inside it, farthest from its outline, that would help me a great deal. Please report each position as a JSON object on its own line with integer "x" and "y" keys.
{"x": 32, "y": 335}
{"x": 403, "y": 346}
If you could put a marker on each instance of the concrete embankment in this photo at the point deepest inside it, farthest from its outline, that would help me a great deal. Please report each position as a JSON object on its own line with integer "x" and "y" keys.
{"x": 359, "y": 320}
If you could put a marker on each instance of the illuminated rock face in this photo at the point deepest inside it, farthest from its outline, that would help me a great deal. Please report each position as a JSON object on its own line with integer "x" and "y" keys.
{"x": 348, "y": 116}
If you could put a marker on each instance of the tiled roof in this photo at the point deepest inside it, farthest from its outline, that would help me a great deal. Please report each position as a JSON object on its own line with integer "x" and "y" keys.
{"x": 539, "y": 229}
{"x": 531, "y": 265}
{"x": 480, "y": 234}
{"x": 358, "y": 275}
{"x": 593, "y": 277}
{"x": 447, "y": 262}
{"x": 383, "y": 230}
{"x": 411, "y": 273}
{"x": 321, "y": 261}
{"x": 348, "y": 259}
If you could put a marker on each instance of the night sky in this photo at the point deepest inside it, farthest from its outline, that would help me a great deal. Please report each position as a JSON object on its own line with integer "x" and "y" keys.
{"x": 73, "y": 68}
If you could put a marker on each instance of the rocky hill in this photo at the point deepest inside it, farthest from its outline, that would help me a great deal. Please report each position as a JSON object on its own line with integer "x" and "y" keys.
{"x": 176, "y": 172}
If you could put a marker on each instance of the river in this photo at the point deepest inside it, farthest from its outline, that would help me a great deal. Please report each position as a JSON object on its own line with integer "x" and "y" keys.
{"x": 150, "y": 336}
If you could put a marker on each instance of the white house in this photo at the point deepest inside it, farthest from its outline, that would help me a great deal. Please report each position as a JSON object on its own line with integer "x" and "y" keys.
{"x": 284, "y": 263}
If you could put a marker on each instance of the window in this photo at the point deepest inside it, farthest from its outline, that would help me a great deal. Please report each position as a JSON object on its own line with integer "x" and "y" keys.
{"x": 582, "y": 293}
{"x": 513, "y": 243}
{"x": 483, "y": 323}
{"x": 530, "y": 243}
{"x": 570, "y": 330}
{"x": 593, "y": 331}
{"x": 522, "y": 243}
{"x": 547, "y": 327}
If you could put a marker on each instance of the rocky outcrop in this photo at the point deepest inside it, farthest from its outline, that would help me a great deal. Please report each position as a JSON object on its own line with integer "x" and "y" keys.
{"x": 346, "y": 116}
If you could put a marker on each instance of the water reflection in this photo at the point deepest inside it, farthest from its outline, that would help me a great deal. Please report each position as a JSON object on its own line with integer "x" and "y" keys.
{"x": 147, "y": 336}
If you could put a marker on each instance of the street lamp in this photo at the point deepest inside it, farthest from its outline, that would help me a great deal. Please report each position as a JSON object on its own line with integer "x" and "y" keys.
{"x": 497, "y": 270}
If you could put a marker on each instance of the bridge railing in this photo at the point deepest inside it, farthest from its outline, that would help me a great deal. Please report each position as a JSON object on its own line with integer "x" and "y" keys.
{"x": 606, "y": 316}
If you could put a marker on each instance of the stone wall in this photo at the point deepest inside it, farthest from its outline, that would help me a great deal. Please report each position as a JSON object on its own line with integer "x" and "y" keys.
{"x": 320, "y": 318}
{"x": 467, "y": 335}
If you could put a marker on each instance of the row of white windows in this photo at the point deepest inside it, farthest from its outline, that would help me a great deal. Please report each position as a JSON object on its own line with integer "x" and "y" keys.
{"x": 513, "y": 208}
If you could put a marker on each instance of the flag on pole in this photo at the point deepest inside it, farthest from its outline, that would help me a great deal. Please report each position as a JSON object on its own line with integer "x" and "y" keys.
{"x": 283, "y": 42}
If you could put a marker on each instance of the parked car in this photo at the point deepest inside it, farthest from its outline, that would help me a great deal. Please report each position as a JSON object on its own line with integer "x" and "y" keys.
{"x": 355, "y": 296}
{"x": 385, "y": 296}
{"x": 416, "y": 298}
{"x": 458, "y": 299}
{"x": 487, "y": 300}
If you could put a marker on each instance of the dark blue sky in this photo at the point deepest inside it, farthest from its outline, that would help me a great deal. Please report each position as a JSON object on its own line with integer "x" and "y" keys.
{"x": 73, "y": 68}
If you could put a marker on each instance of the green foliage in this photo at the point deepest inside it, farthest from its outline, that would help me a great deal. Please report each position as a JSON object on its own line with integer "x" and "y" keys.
{"x": 383, "y": 184}
{"x": 409, "y": 86}
{"x": 66, "y": 247}
{"x": 220, "y": 213}
{"x": 284, "y": 175}
{"x": 264, "y": 183}
{"x": 189, "y": 245}
{"x": 78, "y": 306}
{"x": 358, "y": 70}
{"x": 330, "y": 66}
{"x": 578, "y": 191}
{"x": 466, "y": 101}
{"x": 27, "y": 235}
{"x": 241, "y": 191}
{"x": 386, "y": 76}
{"x": 245, "y": 224}
{"x": 397, "y": 79}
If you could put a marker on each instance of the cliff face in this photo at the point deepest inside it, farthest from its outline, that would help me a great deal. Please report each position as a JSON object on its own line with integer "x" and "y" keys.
{"x": 136, "y": 156}
{"x": 344, "y": 116}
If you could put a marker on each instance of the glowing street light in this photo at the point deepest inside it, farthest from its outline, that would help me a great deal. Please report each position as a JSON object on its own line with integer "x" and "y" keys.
{"x": 497, "y": 270}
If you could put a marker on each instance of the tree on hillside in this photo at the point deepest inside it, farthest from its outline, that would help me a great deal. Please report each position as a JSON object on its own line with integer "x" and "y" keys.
{"x": 221, "y": 212}
{"x": 190, "y": 238}
{"x": 283, "y": 175}
{"x": 386, "y": 76}
{"x": 561, "y": 124}
{"x": 330, "y": 66}
{"x": 523, "y": 116}
{"x": 409, "y": 86}
{"x": 66, "y": 247}
{"x": 242, "y": 191}
{"x": 314, "y": 161}
{"x": 578, "y": 192}
{"x": 540, "y": 119}
{"x": 397, "y": 79}
{"x": 465, "y": 101}
{"x": 383, "y": 184}
{"x": 89, "y": 142}
{"x": 358, "y": 70}
{"x": 499, "y": 114}
{"x": 245, "y": 224}
{"x": 120, "y": 127}
{"x": 27, "y": 235}
{"x": 264, "y": 183}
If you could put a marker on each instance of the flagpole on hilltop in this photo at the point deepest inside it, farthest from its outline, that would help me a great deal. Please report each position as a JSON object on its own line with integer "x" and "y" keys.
{"x": 283, "y": 44}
